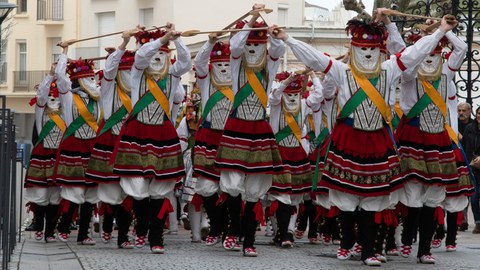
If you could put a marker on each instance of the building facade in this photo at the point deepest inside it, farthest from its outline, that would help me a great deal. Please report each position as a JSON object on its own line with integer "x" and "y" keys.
{"x": 38, "y": 25}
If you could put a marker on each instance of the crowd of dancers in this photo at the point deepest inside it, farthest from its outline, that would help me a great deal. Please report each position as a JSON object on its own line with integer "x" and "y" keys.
{"x": 351, "y": 144}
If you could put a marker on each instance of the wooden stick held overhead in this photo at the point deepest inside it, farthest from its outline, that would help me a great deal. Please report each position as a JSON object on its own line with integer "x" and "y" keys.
{"x": 391, "y": 12}
{"x": 107, "y": 35}
{"x": 191, "y": 33}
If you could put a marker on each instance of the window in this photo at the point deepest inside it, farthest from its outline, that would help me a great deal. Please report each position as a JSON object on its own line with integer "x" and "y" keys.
{"x": 282, "y": 14}
{"x": 50, "y": 10}
{"x": 3, "y": 64}
{"x": 56, "y": 50}
{"x": 21, "y": 6}
{"x": 146, "y": 17}
{"x": 22, "y": 60}
{"x": 105, "y": 25}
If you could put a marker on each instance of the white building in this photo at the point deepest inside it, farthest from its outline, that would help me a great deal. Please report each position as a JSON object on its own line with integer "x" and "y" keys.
{"x": 40, "y": 25}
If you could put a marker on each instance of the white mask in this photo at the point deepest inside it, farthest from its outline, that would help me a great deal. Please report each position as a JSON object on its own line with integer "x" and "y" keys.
{"x": 90, "y": 87}
{"x": 222, "y": 74}
{"x": 291, "y": 102}
{"x": 53, "y": 103}
{"x": 157, "y": 62}
{"x": 254, "y": 53}
{"x": 366, "y": 58}
{"x": 123, "y": 79}
{"x": 430, "y": 64}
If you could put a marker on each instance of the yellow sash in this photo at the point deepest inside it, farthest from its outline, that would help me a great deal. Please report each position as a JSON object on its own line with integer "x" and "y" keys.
{"x": 58, "y": 121}
{"x": 227, "y": 92}
{"x": 293, "y": 125}
{"x": 86, "y": 115}
{"x": 257, "y": 87}
{"x": 374, "y": 96}
{"x": 440, "y": 103}
{"x": 159, "y": 96}
{"x": 398, "y": 110}
{"x": 125, "y": 99}
{"x": 310, "y": 121}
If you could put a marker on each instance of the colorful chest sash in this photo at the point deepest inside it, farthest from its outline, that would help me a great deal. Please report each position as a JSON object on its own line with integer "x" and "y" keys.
{"x": 86, "y": 116}
{"x": 216, "y": 97}
{"x": 291, "y": 128}
{"x": 432, "y": 96}
{"x": 155, "y": 93}
{"x": 55, "y": 120}
{"x": 254, "y": 85}
{"x": 120, "y": 113}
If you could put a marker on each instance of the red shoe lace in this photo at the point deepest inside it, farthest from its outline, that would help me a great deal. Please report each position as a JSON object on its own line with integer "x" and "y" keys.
{"x": 140, "y": 240}
{"x": 343, "y": 252}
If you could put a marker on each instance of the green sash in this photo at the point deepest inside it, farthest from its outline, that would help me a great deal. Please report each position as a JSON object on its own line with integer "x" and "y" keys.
{"x": 79, "y": 121}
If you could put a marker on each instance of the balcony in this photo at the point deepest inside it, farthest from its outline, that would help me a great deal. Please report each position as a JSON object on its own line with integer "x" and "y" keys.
{"x": 25, "y": 81}
{"x": 50, "y": 12}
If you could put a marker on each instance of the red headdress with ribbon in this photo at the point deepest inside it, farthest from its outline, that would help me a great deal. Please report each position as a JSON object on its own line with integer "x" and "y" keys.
{"x": 294, "y": 86}
{"x": 256, "y": 37}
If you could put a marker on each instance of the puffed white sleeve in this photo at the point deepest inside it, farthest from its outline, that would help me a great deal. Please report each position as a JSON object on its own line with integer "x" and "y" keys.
{"x": 183, "y": 63}
{"x": 202, "y": 58}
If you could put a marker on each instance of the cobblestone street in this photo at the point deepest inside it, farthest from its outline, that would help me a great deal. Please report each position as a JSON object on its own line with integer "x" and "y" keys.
{"x": 182, "y": 254}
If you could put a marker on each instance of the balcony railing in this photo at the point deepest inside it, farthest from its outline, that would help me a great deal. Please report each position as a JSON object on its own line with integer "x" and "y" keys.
{"x": 50, "y": 10}
{"x": 25, "y": 81}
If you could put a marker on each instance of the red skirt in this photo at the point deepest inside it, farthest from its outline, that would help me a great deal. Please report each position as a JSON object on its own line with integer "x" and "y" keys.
{"x": 464, "y": 186}
{"x": 40, "y": 172}
{"x": 100, "y": 169}
{"x": 149, "y": 151}
{"x": 205, "y": 152}
{"x": 361, "y": 162}
{"x": 426, "y": 157}
{"x": 72, "y": 162}
{"x": 297, "y": 166}
{"x": 248, "y": 147}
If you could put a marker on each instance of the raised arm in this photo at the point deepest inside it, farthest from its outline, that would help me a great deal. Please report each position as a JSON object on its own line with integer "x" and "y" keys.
{"x": 183, "y": 63}
{"x": 203, "y": 56}
{"x": 455, "y": 60}
{"x": 44, "y": 87}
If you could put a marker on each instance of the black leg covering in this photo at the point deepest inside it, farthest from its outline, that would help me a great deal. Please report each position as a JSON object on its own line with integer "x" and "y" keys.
{"x": 107, "y": 225}
{"x": 66, "y": 219}
{"x": 155, "y": 235}
{"x": 86, "y": 213}
{"x": 124, "y": 220}
{"x": 39, "y": 216}
{"x": 426, "y": 229}
{"x": 409, "y": 225}
{"x": 312, "y": 214}
{"x": 283, "y": 214}
{"x": 302, "y": 218}
{"x": 216, "y": 214}
{"x": 51, "y": 219}
{"x": 347, "y": 224}
{"x": 367, "y": 232}
{"x": 451, "y": 228}
{"x": 234, "y": 206}
{"x": 249, "y": 225}
{"x": 380, "y": 239}
{"x": 390, "y": 238}
{"x": 140, "y": 209}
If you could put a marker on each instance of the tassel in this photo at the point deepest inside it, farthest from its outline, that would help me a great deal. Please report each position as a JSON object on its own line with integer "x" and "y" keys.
{"x": 459, "y": 218}
{"x": 127, "y": 204}
{"x": 301, "y": 209}
{"x": 222, "y": 198}
{"x": 273, "y": 208}
{"x": 258, "y": 210}
{"x": 439, "y": 216}
{"x": 333, "y": 212}
{"x": 378, "y": 218}
{"x": 166, "y": 208}
{"x": 30, "y": 207}
{"x": 320, "y": 211}
{"x": 197, "y": 202}
{"x": 63, "y": 207}
{"x": 104, "y": 208}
